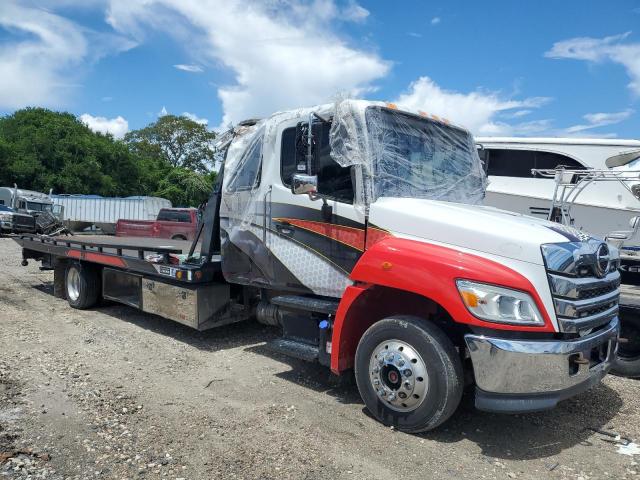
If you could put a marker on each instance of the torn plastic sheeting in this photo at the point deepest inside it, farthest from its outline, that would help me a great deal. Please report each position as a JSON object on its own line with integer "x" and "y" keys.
{"x": 406, "y": 155}
{"x": 242, "y": 171}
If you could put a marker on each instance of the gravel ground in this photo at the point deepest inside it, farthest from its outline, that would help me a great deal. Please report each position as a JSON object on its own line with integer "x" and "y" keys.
{"x": 115, "y": 393}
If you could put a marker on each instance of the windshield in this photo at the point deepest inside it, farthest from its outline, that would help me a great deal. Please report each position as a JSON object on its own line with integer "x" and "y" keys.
{"x": 421, "y": 158}
{"x": 39, "y": 207}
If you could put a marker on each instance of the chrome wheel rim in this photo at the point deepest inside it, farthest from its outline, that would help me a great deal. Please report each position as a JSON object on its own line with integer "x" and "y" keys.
{"x": 73, "y": 284}
{"x": 398, "y": 374}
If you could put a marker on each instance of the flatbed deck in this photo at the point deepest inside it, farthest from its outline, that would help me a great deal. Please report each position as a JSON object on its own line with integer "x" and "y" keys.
{"x": 179, "y": 246}
{"x": 148, "y": 256}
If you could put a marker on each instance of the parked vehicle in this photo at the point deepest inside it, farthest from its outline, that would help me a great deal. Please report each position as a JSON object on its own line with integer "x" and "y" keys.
{"x": 82, "y": 212}
{"x": 600, "y": 209}
{"x": 356, "y": 228}
{"x": 173, "y": 223}
{"x": 15, "y": 222}
{"x": 25, "y": 204}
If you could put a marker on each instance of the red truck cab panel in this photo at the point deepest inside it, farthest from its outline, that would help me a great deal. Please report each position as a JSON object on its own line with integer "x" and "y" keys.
{"x": 427, "y": 270}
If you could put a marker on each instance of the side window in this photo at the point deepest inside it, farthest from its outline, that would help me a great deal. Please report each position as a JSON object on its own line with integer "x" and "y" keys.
{"x": 247, "y": 173}
{"x": 518, "y": 163}
{"x": 288, "y": 156}
{"x": 165, "y": 216}
{"x": 1, "y": 202}
{"x": 334, "y": 180}
{"x": 183, "y": 217}
{"x": 22, "y": 205}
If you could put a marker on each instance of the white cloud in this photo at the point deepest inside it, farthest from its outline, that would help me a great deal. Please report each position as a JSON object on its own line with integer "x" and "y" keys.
{"x": 281, "y": 54}
{"x": 595, "y": 120}
{"x": 478, "y": 111}
{"x": 354, "y": 12}
{"x": 115, "y": 126}
{"x": 597, "y": 50}
{"x": 106, "y": 99}
{"x": 435, "y": 20}
{"x": 41, "y": 55}
{"x": 189, "y": 68}
{"x": 195, "y": 118}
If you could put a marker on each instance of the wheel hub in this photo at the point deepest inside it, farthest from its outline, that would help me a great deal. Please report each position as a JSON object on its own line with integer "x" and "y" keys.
{"x": 398, "y": 375}
{"x": 73, "y": 284}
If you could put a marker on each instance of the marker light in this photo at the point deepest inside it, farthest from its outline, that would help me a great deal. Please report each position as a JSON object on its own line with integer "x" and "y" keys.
{"x": 498, "y": 304}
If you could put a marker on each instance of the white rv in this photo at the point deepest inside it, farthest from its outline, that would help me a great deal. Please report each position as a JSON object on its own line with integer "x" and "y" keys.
{"x": 601, "y": 208}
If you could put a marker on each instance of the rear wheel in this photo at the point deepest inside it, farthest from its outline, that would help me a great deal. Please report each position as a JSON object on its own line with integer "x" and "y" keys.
{"x": 82, "y": 286}
{"x": 408, "y": 373}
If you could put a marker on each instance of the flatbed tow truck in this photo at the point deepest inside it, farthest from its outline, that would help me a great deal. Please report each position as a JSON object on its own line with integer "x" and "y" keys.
{"x": 356, "y": 228}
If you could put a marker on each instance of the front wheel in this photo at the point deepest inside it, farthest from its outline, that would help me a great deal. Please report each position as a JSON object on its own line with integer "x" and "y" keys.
{"x": 408, "y": 373}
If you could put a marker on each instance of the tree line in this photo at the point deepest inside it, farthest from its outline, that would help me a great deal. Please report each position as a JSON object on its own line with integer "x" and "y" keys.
{"x": 171, "y": 158}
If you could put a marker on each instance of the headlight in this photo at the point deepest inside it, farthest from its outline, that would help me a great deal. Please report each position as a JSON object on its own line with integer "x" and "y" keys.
{"x": 497, "y": 304}
{"x": 5, "y": 217}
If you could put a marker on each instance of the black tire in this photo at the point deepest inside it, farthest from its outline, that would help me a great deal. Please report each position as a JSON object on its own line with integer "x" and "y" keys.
{"x": 88, "y": 286}
{"x": 440, "y": 358}
{"x": 627, "y": 362}
{"x": 178, "y": 237}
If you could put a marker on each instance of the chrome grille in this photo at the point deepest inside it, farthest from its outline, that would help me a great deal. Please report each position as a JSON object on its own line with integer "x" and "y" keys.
{"x": 582, "y": 299}
{"x": 23, "y": 221}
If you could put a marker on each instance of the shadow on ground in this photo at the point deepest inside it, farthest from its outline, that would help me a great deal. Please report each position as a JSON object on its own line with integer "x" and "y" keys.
{"x": 516, "y": 437}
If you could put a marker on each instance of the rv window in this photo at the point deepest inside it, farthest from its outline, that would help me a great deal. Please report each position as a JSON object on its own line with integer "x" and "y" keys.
{"x": 552, "y": 160}
{"x": 518, "y": 163}
{"x": 22, "y": 205}
{"x": 1, "y": 202}
{"x": 333, "y": 179}
{"x": 510, "y": 163}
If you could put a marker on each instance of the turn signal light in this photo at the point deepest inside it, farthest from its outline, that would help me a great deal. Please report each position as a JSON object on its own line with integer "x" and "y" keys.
{"x": 470, "y": 299}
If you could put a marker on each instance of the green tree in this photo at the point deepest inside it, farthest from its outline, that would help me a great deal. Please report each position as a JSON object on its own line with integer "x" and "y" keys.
{"x": 177, "y": 139}
{"x": 185, "y": 187}
{"x": 41, "y": 150}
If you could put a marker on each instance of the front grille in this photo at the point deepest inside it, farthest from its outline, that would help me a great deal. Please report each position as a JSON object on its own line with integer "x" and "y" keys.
{"x": 23, "y": 221}
{"x": 596, "y": 292}
{"x": 583, "y": 300}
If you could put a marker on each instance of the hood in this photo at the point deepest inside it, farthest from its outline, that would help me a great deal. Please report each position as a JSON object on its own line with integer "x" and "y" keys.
{"x": 484, "y": 229}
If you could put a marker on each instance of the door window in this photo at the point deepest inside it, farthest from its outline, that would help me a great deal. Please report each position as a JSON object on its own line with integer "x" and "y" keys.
{"x": 334, "y": 180}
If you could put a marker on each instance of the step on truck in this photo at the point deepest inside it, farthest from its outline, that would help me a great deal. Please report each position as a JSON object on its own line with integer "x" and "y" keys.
{"x": 357, "y": 228}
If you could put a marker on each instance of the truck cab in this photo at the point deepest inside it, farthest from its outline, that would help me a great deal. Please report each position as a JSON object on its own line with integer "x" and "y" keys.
{"x": 379, "y": 212}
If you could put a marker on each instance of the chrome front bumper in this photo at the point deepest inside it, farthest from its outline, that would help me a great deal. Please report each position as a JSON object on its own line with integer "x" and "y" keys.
{"x": 528, "y": 375}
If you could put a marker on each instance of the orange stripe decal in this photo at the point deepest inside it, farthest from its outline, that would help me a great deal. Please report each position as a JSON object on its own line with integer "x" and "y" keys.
{"x": 350, "y": 236}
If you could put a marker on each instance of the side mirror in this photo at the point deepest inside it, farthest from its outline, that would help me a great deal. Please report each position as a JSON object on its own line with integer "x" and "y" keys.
{"x": 304, "y": 184}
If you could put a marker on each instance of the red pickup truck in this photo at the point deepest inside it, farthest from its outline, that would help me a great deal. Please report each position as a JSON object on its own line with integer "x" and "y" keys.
{"x": 173, "y": 223}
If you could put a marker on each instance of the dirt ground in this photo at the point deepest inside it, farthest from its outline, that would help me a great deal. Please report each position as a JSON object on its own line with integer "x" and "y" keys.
{"x": 115, "y": 393}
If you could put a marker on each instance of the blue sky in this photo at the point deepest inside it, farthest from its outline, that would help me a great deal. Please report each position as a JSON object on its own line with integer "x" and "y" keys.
{"x": 500, "y": 68}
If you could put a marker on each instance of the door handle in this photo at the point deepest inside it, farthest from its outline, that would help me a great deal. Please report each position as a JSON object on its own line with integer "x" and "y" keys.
{"x": 285, "y": 229}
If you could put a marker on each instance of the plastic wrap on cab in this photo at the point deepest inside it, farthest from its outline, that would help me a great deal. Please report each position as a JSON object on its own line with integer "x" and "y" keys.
{"x": 400, "y": 154}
